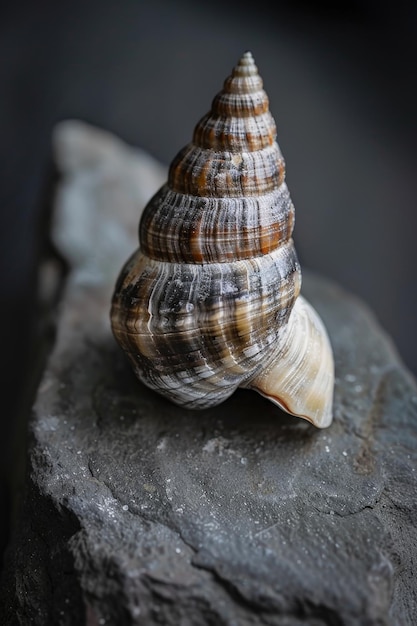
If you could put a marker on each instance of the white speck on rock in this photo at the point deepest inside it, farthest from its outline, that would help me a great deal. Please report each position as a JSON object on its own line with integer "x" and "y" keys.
{"x": 216, "y": 444}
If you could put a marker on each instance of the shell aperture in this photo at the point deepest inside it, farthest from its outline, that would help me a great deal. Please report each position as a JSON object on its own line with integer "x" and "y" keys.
{"x": 210, "y": 300}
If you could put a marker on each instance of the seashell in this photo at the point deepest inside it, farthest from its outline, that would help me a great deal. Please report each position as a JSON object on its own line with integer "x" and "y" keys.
{"x": 211, "y": 299}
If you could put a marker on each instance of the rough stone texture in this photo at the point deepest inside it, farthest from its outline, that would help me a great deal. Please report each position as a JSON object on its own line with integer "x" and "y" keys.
{"x": 139, "y": 512}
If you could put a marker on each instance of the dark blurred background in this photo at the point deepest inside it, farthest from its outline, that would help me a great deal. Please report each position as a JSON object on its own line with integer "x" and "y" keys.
{"x": 341, "y": 79}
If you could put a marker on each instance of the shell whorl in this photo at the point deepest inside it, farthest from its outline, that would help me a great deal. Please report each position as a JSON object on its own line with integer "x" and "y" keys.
{"x": 209, "y": 302}
{"x": 226, "y": 193}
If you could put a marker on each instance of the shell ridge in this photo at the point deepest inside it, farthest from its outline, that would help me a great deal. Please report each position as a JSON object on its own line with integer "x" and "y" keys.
{"x": 209, "y": 229}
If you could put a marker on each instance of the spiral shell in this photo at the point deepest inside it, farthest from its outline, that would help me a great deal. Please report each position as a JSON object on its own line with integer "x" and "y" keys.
{"x": 210, "y": 301}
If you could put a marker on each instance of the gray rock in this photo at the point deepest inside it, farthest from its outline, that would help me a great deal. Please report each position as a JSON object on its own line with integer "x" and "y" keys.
{"x": 140, "y": 512}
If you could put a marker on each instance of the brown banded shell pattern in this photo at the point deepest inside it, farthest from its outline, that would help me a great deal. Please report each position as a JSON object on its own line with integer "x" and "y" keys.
{"x": 204, "y": 302}
{"x": 226, "y": 198}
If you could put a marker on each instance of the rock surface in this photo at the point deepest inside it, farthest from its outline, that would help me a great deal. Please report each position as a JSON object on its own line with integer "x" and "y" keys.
{"x": 139, "y": 512}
